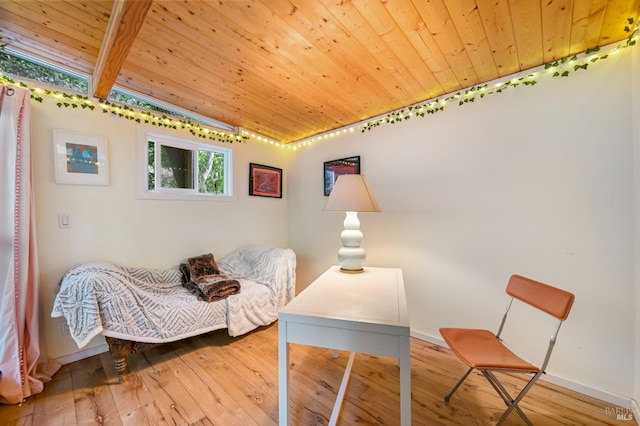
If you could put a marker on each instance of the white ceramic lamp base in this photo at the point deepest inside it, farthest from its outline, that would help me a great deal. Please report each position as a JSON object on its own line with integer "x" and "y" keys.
{"x": 351, "y": 255}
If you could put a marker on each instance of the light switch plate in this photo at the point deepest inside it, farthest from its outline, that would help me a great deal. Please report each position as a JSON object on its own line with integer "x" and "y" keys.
{"x": 64, "y": 220}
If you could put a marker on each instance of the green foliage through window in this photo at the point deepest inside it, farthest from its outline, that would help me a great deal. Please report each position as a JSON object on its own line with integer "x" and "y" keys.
{"x": 17, "y": 66}
{"x": 151, "y": 166}
{"x": 120, "y": 96}
{"x": 186, "y": 167}
{"x": 177, "y": 167}
{"x": 210, "y": 172}
{"x": 125, "y": 97}
{"x": 20, "y": 66}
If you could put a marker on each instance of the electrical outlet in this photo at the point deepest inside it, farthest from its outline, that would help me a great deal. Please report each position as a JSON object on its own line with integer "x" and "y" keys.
{"x": 65, "y": 329}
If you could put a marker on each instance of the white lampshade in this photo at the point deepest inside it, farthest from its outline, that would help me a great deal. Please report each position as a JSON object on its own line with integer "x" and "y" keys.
{"x": 351, "y": 194}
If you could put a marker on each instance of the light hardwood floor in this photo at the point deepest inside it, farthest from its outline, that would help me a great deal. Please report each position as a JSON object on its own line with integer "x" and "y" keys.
{"x": 218, "y": 380}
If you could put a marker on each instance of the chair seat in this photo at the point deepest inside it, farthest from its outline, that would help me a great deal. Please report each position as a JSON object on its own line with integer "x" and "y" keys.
{"x": 481, "y": 349}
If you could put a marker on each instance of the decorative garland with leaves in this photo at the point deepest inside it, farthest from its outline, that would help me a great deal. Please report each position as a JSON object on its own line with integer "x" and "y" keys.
{"x": 147, "y": 117}
{"x": 560, "y": 68}
{"x": 66, "y": 100}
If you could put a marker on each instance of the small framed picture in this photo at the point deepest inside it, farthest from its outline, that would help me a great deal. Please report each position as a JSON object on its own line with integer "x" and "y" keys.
{"x": 80, "y": 159}
{"x": 265, "y": 181}
{"x": 335, "y": 168}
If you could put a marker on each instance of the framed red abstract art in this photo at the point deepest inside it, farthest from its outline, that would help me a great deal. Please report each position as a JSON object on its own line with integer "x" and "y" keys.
{"x": 335, "y": 168}
{"x": 265, "y": 181}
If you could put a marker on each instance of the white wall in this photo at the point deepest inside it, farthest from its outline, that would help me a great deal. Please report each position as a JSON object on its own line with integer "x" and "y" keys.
{"x": 536, "y": 181}
{"x": 109, "y": 223}
{"x": 636, "y": 167}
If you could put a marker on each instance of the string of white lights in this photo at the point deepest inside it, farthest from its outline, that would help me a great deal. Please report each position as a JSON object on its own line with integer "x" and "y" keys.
{"x": 561, "y": 68}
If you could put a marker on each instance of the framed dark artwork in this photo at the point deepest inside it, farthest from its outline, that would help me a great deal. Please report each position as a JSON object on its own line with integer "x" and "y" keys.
{"x": 335, "y": 168}
{"x": 265, "y": 181}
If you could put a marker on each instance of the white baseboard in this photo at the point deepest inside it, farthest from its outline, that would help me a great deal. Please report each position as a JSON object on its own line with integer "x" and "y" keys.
{"x": 86, "y": 353}
{"x": 617, "y": 400}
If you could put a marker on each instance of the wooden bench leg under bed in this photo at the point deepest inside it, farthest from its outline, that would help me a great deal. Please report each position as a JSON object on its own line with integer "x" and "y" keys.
{"x": 120, "y": 349}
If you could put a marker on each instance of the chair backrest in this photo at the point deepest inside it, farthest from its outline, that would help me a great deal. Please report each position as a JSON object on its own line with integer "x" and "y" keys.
{"x": 552, "y": 300}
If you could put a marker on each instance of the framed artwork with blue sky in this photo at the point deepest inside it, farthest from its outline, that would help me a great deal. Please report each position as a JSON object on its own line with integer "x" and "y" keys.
{"x": 80, "y": 159}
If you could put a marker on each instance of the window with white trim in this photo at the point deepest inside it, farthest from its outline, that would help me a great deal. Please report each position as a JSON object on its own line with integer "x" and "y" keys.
{"x": 183, "y": 169}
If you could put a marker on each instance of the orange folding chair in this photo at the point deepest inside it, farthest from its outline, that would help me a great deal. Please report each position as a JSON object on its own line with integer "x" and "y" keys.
{"x": 485, "y": 351}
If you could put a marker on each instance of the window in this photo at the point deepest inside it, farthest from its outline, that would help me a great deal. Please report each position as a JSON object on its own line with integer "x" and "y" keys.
{"x": 143, "y": 102}
{"x": 183, "y": 169}
{"x": 19, "y": 65}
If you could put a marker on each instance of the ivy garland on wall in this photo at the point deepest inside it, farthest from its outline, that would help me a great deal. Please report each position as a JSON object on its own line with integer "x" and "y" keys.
{"x": 75, "y": 100}
{"x": 66, "y": 100}
{"x": 559, "y": 68}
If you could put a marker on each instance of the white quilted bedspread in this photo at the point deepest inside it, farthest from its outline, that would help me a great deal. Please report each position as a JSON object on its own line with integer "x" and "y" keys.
{"x": 152, "y": 306}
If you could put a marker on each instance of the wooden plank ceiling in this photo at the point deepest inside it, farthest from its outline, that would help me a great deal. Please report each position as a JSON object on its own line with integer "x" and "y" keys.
{"x": 290, "y": 69}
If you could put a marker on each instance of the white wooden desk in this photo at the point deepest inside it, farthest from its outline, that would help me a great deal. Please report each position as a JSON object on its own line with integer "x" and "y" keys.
{"x": 364, "y": 312}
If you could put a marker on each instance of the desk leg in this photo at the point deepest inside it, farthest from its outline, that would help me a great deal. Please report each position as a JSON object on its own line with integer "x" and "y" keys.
{"x": 405, "y": 381}
{"x": 283, "y": 373}
{"x": 343, "y": 387}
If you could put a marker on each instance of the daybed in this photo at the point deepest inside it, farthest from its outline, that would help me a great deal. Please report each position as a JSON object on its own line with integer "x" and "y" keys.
{"x": 136, "y": 308}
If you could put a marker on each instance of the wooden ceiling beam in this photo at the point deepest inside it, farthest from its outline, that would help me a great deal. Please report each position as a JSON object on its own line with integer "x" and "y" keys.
{"x": 127, "y": 17}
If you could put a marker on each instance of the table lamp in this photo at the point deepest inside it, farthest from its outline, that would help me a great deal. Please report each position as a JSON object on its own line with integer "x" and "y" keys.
{"x": 351, "y": 194}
